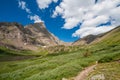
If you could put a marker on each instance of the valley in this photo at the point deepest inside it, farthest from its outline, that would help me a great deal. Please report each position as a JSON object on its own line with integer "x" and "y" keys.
{"x": 61, "y": 60}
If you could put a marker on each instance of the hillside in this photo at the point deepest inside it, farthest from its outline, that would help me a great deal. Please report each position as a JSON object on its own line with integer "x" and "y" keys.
{"x": 40, "y": 35}
{"x": 15, "y": 35}
{"x": 65, "y": 64}
{"x": 93, "y": 39}
{"x": 87, "y": 40}
{"x": 107, "y": 71}
{"x": 109, "y": 37}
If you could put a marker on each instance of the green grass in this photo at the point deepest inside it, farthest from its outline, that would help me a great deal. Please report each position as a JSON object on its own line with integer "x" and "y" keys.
{"x": 7, "y": 51}
{"x": 51, "y": 67}
{"x": 111, "y": 71}
{"x": 63, "y": 64}
{"x": 10, "y": 55}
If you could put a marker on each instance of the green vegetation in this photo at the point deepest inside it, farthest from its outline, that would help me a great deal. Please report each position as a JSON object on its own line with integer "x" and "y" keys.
{"x": 7, "y": 54}
{"x": 7, "y": 51}
{"x": 110, "y": 71}
{"x": 51, "y": 67}
{"x": 109, "y": 58}
{"x": 65, "y": 63}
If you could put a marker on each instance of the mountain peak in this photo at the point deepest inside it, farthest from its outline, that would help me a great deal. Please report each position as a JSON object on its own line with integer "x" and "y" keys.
{"x": 29, "y": 37}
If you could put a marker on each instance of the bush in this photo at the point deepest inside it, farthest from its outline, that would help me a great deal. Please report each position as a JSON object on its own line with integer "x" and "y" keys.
{"x": 105, "y": 59}
{"x": 110, "y": 58}
{"x": 87, "y": 53}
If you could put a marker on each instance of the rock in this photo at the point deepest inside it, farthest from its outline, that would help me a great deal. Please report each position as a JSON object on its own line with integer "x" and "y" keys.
{"x": 64, "y": 79}
{"x": 98, "y": 77}
{"x": 87, "y": 40}
{"x": 28, "y": 37}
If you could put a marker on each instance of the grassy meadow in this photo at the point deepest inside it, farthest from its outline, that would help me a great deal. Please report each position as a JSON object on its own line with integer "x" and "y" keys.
{"x": 63, "y": 64}
{"x": 110, "y": 71}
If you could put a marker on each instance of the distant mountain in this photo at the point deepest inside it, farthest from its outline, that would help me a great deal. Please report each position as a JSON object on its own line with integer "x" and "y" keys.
{"x": 87, "y": 40}
{"x": 15, "y": 35}
{"x": 91, "y": 39}
{"x": 111, "y": 37}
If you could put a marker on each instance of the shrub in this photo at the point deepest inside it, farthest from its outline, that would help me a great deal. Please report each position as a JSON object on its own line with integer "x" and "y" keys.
{"x": 105, "y": 59}
{"x": 87, "y": 53}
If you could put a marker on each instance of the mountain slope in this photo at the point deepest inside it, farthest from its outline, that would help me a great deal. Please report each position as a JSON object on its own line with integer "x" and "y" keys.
{"x": 87, "y": 40}
{"x": 107, "y": 71}
{"x": 65, "y": 65}
{"x": 40, "y": 35}
{"x": 14, "y": 35}
{"x": 58, "y": 67}
{"x": 109, "y": 37}
{"x": 92, "y": 39}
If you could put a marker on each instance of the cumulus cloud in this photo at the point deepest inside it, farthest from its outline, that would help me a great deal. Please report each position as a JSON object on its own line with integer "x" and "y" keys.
{"x": 22, "y": 5}
{"x": 90, "y": 14}
{"x": 42, "y": 4}
{"x": 35, "y": 18}
{"x": 92, "y": 30}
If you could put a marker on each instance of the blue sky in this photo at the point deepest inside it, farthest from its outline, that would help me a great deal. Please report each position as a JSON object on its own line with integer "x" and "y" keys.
{"x": 10, "y": 12}
{"x": 66, "y": 19}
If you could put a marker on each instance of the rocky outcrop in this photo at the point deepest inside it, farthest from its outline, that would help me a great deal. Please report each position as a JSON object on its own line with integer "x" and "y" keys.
{"x": 28, "y": 37}
{"x": 39, "y": 35}
{"x": 12, "y": 34}
{"x": 87, "y": 40}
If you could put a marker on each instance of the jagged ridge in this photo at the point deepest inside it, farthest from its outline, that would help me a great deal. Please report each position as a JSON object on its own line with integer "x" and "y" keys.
{"x": 28, "y": 37}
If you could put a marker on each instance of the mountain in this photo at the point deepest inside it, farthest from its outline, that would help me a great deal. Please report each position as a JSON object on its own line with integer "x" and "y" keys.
{"x": 111, "y": 37}
{"x": 15, "y": 35}
{"x": 87, "y": 40}
{"x": 32, "y": 36}
{"x": 91, "y": 39}
{"x": 62, "y": 65}
{"x": 40, "y": 35}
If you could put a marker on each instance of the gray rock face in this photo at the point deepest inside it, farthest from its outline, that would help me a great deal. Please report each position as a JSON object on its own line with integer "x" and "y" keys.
{"x": 87, "y": 40}
{"x": 40, "y": 36}
{"x": 28, "y": 37}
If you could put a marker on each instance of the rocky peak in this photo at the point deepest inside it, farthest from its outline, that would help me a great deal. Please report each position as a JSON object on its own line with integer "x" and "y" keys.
{"x": 41, "y": 34}
{"x": 87, "y": 40}
{"x": 5, "y": 25}
{"x": 28, "y": 37}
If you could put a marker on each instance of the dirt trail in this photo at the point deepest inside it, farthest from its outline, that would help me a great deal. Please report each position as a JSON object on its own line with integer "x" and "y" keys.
{"x": 82, "y": 75}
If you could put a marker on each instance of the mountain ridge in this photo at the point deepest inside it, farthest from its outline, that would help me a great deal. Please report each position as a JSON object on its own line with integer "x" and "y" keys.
{"x": 32, "y": 36}
{"x": 26, "y": 37}
{"x": 91, "y": 39}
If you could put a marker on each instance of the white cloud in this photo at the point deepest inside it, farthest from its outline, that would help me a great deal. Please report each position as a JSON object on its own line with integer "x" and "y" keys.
{"x": 42, "y": 4}
{"x": 95, "y": 21}
{"x": 35, "y": 18}
{"x": 59, "y": 10}
{"x": 92, "y": 30}
{"x": 88, "y": 13}
{"x": 23, "y": 6}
